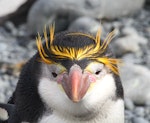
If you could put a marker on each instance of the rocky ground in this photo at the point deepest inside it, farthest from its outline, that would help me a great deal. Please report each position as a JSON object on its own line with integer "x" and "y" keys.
{"x": 132, "y": 44}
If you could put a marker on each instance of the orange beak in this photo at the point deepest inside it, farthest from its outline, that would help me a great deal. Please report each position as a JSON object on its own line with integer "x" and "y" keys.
{"x": 75, "y": 84}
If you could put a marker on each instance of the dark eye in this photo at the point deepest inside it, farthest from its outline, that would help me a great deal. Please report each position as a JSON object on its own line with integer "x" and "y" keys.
{"x": 97, "y": 72}
{"x": 54, "y": 74}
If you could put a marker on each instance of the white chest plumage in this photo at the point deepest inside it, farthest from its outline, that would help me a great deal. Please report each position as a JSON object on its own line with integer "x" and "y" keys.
{"x": 101, "y": 100}
{"x": 115, "y": 114}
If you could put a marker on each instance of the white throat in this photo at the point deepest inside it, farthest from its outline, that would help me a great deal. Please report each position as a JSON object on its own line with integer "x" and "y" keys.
{"x": 98, "y": 100}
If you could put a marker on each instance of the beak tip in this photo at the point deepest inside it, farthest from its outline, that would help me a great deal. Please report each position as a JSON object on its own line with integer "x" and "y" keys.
{"x": 75, "y": 100}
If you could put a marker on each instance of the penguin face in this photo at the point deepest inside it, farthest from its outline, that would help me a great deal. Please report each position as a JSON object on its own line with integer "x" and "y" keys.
{"x": 77, "y": 72}
{"x": 76, "y": 88}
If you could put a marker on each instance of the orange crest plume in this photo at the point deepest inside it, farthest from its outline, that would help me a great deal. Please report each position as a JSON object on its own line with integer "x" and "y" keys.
{"x": 93, "y": 51}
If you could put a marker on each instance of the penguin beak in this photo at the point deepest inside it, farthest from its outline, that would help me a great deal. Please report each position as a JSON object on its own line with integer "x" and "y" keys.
{"x": 75, "y": 84}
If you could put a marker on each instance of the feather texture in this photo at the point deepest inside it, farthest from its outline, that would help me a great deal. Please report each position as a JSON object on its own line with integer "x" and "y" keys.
{"x": 93, "y": 51}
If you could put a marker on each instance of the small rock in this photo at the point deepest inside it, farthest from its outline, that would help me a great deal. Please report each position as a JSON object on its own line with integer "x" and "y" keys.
{"x": 4, "y": 82}
{"x": 147, "y": 111}
{"x": 128, "y": 30}
{"x": 128, "y": 115}
{"x": 140, "y": 120}
{"x": 85, "y": 24}
{"x": 7, "y": 8}
{"x": 2, "y": 97}
{"x": 63, "y": 13}
{"x": 139, "y": 111}
{"x": 22, "y": 30}
{"x": 128, "y": 121}
{"x": 133, "y": 58}
{"x": 11, "y": 27}
{"x": 129, "y": 104}
{"x": 128, "y": 44}
{"x": 147, "y": 59}
{"x": 136, "y": 82}
{"x": 3, "y": 47}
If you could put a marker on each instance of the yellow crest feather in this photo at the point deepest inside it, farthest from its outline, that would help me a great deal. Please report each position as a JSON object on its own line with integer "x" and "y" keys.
{"x": 92, "y": 51}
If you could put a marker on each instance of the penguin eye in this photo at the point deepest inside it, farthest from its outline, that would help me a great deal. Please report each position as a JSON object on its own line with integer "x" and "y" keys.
{"x": 55, "y": 70}
{"x": 98, "y": 72}
{"x": 95, "y": 68}
{"x": 54, "y": 74}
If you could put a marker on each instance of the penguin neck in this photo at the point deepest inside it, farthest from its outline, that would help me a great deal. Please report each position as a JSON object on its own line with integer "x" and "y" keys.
{"x": 111, "y": 112}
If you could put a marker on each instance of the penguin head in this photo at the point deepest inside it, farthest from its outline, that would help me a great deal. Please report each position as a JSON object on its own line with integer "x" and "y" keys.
{"x": 77, "y": 71}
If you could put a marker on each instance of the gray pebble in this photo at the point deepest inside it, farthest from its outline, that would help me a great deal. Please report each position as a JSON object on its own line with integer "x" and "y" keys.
{"x": 128, "y": 121}
{"x": 64, "y": 12}
{"x": 86, "y": 24}
{"x": 135, "y": 80}
{"x": 140, "y": 120}
{"x": 9, "y": 25}
{"x": 129, "y": 44}
{"x": 3, "y": 47}
{"x": 148, "y": 117}
{"x": 147, "y": 112}
{"x": 128, "y": 115}
{"x": 2, "y": 97}
{"x": 147, "y": 60}
{"x": 129, "y": 31}
{"x": 132, "y": 58}
{"x": 139, "y": 111}
{"x": 129, "y": 104}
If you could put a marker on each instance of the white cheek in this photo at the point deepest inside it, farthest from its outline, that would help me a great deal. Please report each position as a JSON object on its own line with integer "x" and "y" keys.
{"x": 101, "y": 90}
{"x": 50, "y": 92}
{"x": 55, "y": 98}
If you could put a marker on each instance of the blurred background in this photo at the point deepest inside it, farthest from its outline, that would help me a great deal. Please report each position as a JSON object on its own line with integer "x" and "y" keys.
{"x": 20, "y": 20}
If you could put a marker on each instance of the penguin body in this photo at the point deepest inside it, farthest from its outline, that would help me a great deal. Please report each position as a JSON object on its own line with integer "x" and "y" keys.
{"x": 65, "y": 83}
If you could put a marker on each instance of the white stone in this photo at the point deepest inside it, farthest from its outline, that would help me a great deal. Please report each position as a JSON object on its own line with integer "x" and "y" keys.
{"x": 129, "y": 44}
{"x": 136, "y": 82}
{"x": 7, "y": 6}
{"x": 44, "y": 12}
{"x": 86, "y": 24}
{"x": 3, "y": 114}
